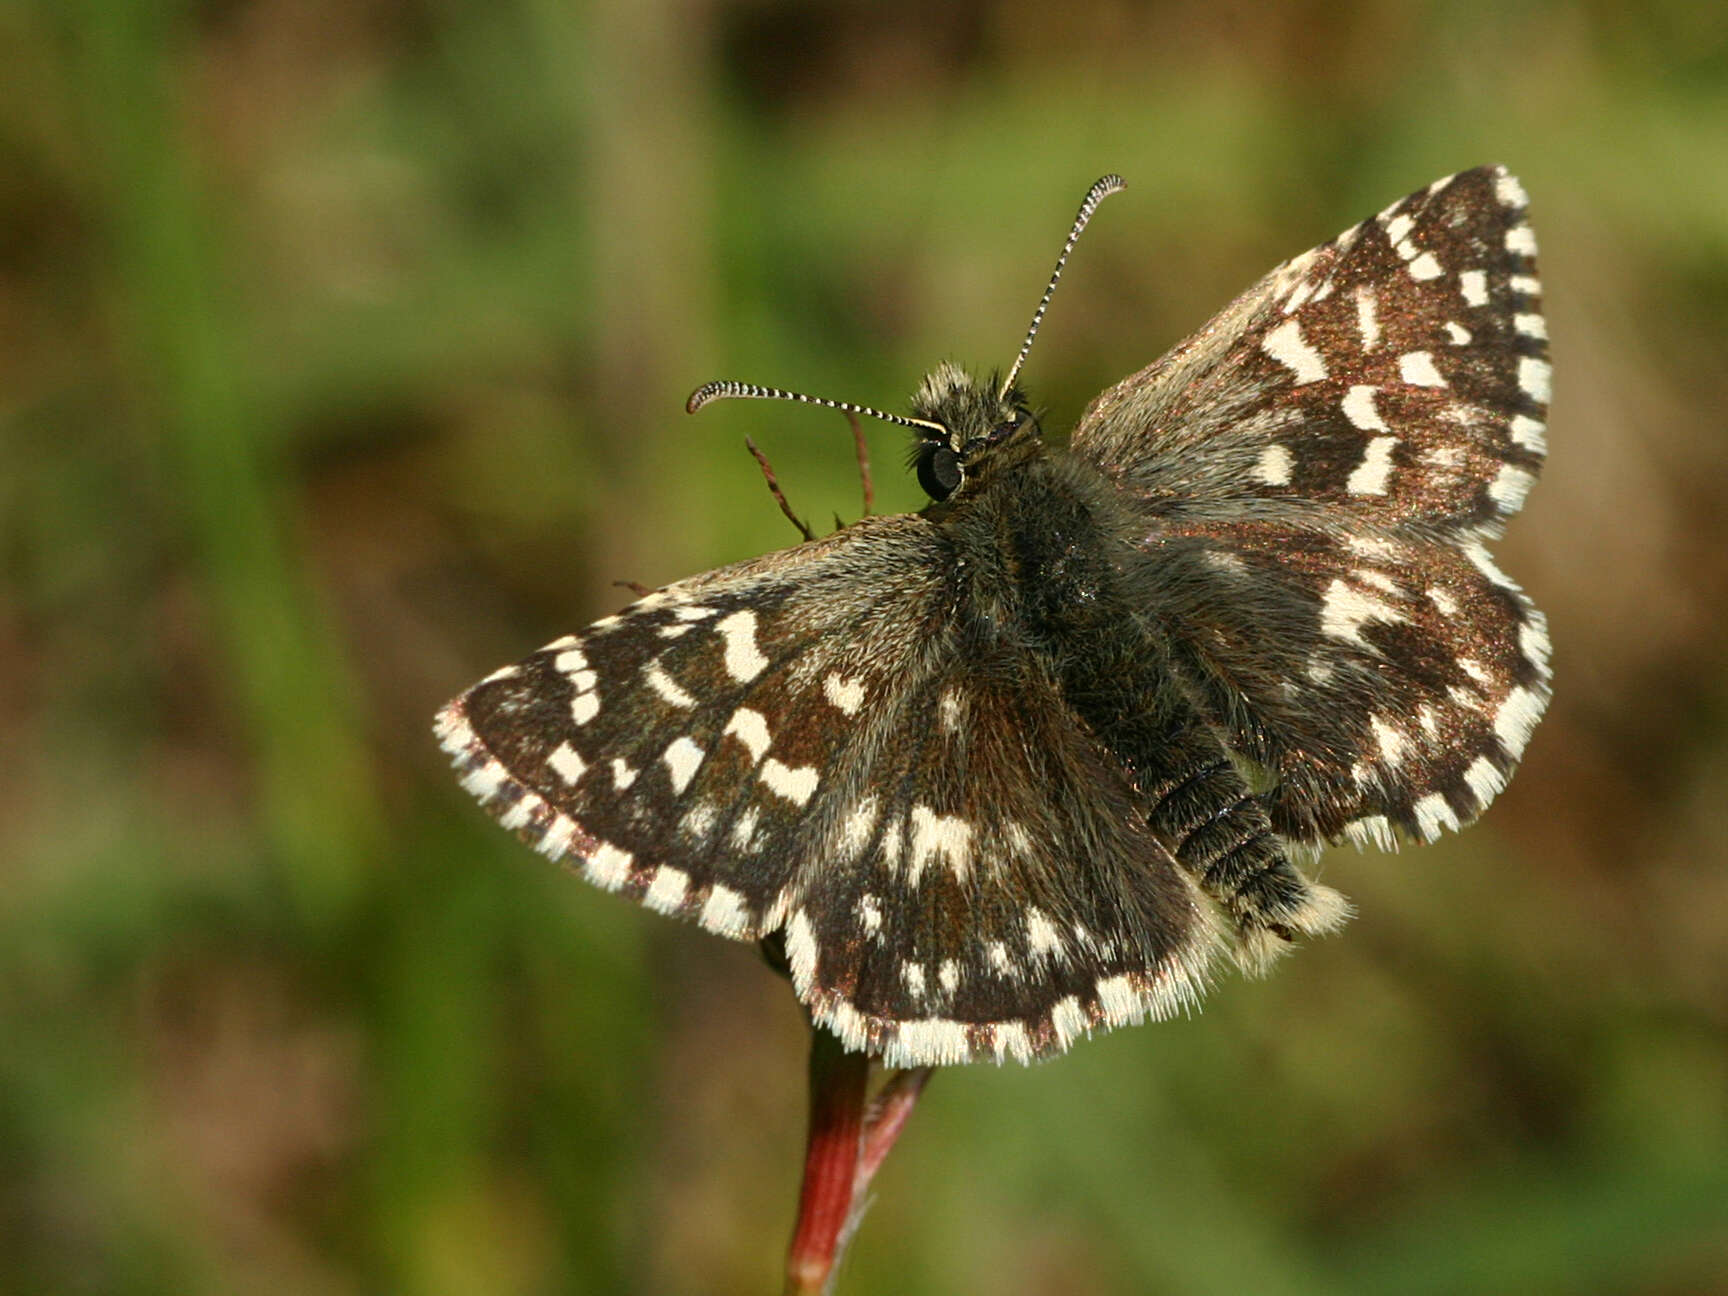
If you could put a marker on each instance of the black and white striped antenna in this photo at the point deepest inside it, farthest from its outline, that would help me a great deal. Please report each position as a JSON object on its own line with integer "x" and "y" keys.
{"x": 726, "y": 389}
{"x": 1101, "y": 189}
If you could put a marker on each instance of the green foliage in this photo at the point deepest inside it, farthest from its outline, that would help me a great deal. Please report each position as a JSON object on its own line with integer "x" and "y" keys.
{"x": 344, "y": 353}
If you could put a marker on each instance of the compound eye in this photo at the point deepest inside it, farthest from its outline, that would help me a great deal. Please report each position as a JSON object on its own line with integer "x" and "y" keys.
{"x": 939, "y": 472}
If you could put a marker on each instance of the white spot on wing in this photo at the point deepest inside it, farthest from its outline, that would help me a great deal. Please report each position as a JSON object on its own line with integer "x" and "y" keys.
{"x": 723, "y": 912}
{"x": 796, "y": 785}
{"x": 1069, "y": 1019}
{"x": 1372, "y": 830}
{"x": 1522, "y": 240}
{"x": 1274, "y": 466}
{"x": 1457, "y": 334}
{"x": 1398, "y": 227}
{"x": 1515, "y": 718}
{"x": 858, "y": 827}
{"x": 1121, "y": 1001}
{"x": 1474, "y": 285}
{"x": 1358, "y": 406}
{"x": 1286, "y": 345}
{"x": 934, "y": 1041}
{"x": 751, "y": 729}
{"x": 1371, "y": 547}
{"x": 869, "y": 914}
{"x": 683, "y": 758}
{"x": 584, "y": 707}
{"x": 1443, "y": 600}
{"x": 570, "y": 661}
{"x": 1535, "y": 378}
{"x": 1367, "y": 317}
{"x": 608, "y": 867}
{"x": 1346, "y": 610}
{"x": 665, "y": 686}
{"x": 744, "y": 660}
{"x": 848, "y": 1023}
{"x": 1433, "y": 813}
{"x": 847, "y": 694}
{"x": 1448, "y": 457}
{"x": 949, "y": 707}
{"x": 1533, "y": 640}
{"x": 1225, "y": 561}
{"x": 1041, "y": 934}
{"x": 557, "y": 839}
{"x": 1393, "y": 743}
{"x": 1417, "y": 369}
{"x": 1530, "y": 433}
{"x": 1509, "y": 487}
{"x": 1510, "y": 192}
{"x": 623, "y": 775}
{"x": 700, "y": 821}
{"x": 801, "y": 951}
{"x": 666, "y": 891}
{"x": 483, "y": 783}
{"x": 892, "y": 839}
{"x": 1371, "y": 474}
{"x": 568, "y": 765}
{"x": 1425, "y": 267}
{"x": 1533, "y": 326}
{"x": 937, "y": 836}
{"x": 1485, "y": 780}
{"x": 744, "y": 830}
{"x": 1011, "y": 1039}
{"x": 1484, "y": 562}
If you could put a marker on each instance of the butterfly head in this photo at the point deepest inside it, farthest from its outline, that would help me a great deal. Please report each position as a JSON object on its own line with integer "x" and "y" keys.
{"x": 961, "y": 420}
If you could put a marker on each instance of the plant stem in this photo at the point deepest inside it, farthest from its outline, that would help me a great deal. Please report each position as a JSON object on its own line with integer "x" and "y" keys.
{"x": 846, "y": 1146}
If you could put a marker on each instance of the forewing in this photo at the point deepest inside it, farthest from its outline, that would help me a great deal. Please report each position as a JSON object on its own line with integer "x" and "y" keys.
{"x": 1313, "y": 476}
{"x": 674, "y": 752}
{"x": 1396, "y": 376}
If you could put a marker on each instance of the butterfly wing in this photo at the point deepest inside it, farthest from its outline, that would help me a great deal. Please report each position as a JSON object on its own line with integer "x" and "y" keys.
{"x": 1316, "y": 472}
{"x": 806, "y": 745}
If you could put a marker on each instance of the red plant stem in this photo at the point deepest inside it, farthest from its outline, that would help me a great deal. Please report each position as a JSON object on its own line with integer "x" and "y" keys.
{"x": 837, "y": 1085}
{"x": 888, "y": 1113}
{"x": 847, "y": 1144}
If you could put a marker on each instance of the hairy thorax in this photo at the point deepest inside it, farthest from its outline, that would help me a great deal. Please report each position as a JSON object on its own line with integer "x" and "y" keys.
{"x": 1042, "y": 555}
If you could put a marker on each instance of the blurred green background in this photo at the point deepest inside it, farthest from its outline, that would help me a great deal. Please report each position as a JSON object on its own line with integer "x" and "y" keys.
{"x": 342, "y": 349}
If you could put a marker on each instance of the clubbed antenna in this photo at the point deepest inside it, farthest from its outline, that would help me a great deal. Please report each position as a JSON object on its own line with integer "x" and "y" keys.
{"x": 1100, "y": 190}
{"x": 727, "y": 389}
